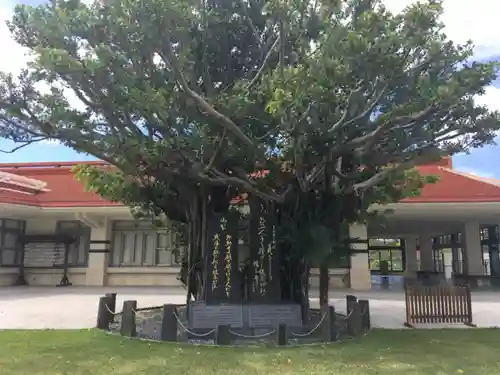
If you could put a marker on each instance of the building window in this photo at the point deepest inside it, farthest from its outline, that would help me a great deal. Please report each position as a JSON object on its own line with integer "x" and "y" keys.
{"x": 79, "y": 250}
{"x": 10, "y": 244}
{"x": 387, "y": 260}
{"x": 386, "y": 255}
{"x": 141, "y": 243}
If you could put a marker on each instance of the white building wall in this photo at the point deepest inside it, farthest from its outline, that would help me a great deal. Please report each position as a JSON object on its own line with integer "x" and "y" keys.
{"x": 426, "y": 253}
{"x": 411, "y": 256}
{"x": 473, "y": 251}
{"x": 98, "y": 257}
{"x": 360, "y": 276}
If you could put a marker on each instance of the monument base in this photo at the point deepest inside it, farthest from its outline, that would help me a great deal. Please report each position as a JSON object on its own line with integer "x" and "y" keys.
{"x": 235, "y": 315}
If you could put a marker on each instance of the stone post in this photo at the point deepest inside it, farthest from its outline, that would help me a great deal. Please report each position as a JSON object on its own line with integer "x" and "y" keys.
{"x": 128, "y": 327}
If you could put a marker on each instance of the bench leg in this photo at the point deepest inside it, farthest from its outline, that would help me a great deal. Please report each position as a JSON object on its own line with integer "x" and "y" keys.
{"x": 470, "y": 324}
{"x": 408, "y": 325}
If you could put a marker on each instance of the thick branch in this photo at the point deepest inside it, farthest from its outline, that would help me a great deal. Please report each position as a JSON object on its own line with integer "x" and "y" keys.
{"x": 368, "y": 140}
{"x": 369, "y": 108}
{"x": 264, "y": 63}
{"x": 21, "y": 146}
{"x": 169, "y": 57}
{"x": 359, "y": 188}
{"x": 250, "y": 22}
{"x": 217, "y": 150}
{"x": 340, "y": 123}
{"x": 377, "y": 96}
{"x": 245, "y": 186}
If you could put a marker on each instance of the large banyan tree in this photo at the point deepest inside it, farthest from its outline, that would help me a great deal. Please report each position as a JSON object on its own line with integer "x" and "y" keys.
{"x": 305, "y": 111}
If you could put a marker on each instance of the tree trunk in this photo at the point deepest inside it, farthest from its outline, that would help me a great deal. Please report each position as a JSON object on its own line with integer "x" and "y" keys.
{"x": 324, "y": 280}
{"x": 304, "y": 278}
{"x": 194, "y": 281}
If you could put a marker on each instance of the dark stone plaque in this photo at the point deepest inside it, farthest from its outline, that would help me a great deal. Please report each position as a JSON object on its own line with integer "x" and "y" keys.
{"x": 222, "y": 260}
{"x": 273, "y": 315}
{"x": 202, "y": 315}
{"x": 265, "y": 270}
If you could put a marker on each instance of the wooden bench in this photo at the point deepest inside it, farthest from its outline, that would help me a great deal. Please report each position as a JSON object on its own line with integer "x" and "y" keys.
{"x": 438, "y": 305}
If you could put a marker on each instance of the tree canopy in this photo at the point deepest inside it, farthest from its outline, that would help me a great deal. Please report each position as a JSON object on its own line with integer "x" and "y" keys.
{"x": 185, "y": 97}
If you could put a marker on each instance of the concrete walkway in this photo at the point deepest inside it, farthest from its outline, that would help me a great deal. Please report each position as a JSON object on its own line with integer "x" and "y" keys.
{"x": 76, "y": 307}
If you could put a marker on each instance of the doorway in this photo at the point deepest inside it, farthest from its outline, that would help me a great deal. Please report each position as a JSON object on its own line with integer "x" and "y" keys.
{"x": 448, "y": 255}
{"x": 387, "y": 262}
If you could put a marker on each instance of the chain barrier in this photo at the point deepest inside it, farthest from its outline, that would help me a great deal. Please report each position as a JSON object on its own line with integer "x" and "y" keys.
{"x": 153, "y": 308}
{"x": 312, "y": 330}
{"x": 362, "y": 313}
{"x": 191, "y": 332}
{"x": 111, "y": 312}
{"x": 349, "y": 315}
{"x": 267, "y": 334}
{"x": 139, "y": 314}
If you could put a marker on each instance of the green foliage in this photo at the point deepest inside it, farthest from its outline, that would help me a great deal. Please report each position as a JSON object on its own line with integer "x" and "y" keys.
{"x": 145, "y": 200}
{"x": 188, "y": 98}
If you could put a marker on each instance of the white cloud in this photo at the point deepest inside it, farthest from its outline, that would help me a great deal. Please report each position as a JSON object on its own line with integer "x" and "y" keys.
{"x": 464, "y": 19}
{"x": 15, "y": 56}
{"x": 491, "y": 98}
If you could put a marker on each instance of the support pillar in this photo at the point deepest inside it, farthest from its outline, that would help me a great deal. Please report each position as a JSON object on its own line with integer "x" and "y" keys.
{"x": 494, "y": 265}
{"x": 360, "y": 276}
{"x": 98, "y": 255}
{"x": 411, "y": 256}
{"x": 426, "y": 253}
{"x": 473, "y": 251}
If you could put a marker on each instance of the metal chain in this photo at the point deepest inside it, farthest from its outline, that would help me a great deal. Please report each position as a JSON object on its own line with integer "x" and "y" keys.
{"x": 349, "y": 315}
{"x": 111, "y": 312}
{"x": 252, "y": 337}
{"x": 190, "y": 332}
{"x": 312, "y": 330}
{"x": 139, "y": 314}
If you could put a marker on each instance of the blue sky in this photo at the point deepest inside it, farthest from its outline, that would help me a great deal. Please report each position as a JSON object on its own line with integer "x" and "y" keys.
{"x": 479, "y": 16}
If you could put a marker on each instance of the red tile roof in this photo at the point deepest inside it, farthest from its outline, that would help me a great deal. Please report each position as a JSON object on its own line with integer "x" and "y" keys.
{"x": 63, "y": 190}
{"x": 456, "y": 187}
{"x": 19, "y": 189}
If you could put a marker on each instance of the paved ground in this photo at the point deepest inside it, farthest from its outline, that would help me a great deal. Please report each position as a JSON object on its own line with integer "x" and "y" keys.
{"x": 75, "y": 307}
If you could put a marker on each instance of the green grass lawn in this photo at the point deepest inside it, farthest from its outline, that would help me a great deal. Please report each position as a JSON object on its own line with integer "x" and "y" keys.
{"x": 423, "y": 352}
